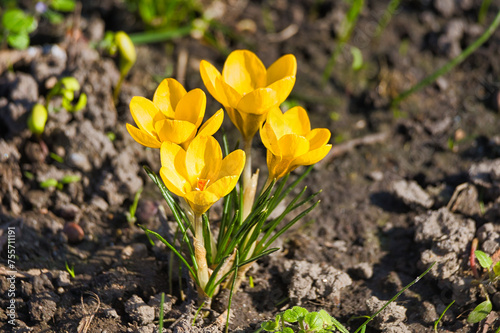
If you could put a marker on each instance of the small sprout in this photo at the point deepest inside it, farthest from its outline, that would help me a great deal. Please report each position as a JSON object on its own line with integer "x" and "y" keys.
{"x": 357, "y": 58}
{"x": 29, "y": 175}
{"x": 484, "y": 260}
{"x": 133, "y": 207}
{"x": 111, "y": 136}
{"x": 128, "y": 56}
{"x": 66, "y": 87}
{"x": 17, "y": 27}
{"x": 37, "y": 119}
{"x": 51, "y": 182}
{"x": 56, "y": 157}
{"x": 70, "y": 270}
{"x": 70, "y": 179}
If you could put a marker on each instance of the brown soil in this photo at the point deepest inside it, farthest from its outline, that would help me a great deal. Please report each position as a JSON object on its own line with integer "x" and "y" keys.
{"x": 402, "y": 188}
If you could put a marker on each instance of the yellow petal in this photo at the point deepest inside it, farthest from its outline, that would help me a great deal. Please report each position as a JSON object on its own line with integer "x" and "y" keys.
{"x": 203, "y": 159}
{"x": 223, "y": 186}
{"x": 283, "y": 88}
{"x": 143, "y": 111}
{"x": 244, "y": 71}
{"x": 191, "y": 107}
{"x": 232, "y": 164}
{"x": 233, "y": 97}
{"x": 169, "y": 89}
{"x": 276, "y": 120}
{"x": 312, "y": 157}
{"x": 258, "y": 101}
{"x": 213, "y": 124}
{"x": 277, "y": 165}
{"x": 281, "y": 68}
{"x": 318, "y": 137}
{"x": 143, "y": 138}
{"x": 161, "y": 99}
{"x": 172, "y": 171}
{"x": 293, "y": 145}
{"x": 269, "y": 139}
{"x": 201, "y": 201}
{"x": 298, "y": 120}
{"x": 176, "y": 131}
{"x": 210, "y": 75}
{"x": 248, "y": 124}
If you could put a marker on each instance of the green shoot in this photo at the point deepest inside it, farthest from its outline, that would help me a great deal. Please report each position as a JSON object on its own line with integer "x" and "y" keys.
{"x": 436, "y": 323}
{"x": 56, "y": 157}
{"x": 17, "y": 25}
{"x": 59, "y": 184}
{"x": 70, "y": 270}
{"x": 345, "y": 33}
{"x": 160, "y": 319}
{"x": 133, "y": 207}
{"x": 485, "y": 5}
{"x": 451, "y": 64}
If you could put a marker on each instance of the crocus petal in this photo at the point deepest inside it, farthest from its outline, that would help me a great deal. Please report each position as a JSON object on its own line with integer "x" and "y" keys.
{"x": 233, "y": 97}
{"x": 143, "y": 111}
{"x": 244, "y": 71}
{"x": 312, "y": 157}
{"x": 170, "y": 90}
{"x": 172, "y": 171}
{"x": 191, "y": 107}
{"x": 281, "y": 68}
{"x": 210, "y": 75}
{"x": 247, "y": 123}
{"x": 203, "y": 159}
{"x": 258, "y": 101}
{"x": 298, "y": 120}
{"x": 213, "y": 124}
{"x": 293, "y": 145}
{"x": 277, "y": 165}
{"x": 161, "y": 99}
{"x": 283, "y": 88}
{"x": 176, "y": 131}
{"x": 223, "y": 186}
{"x": 201, "y": 201}
{"x": 318, "y": 137}
{"x": 142, "y": 137}
{"x": 232, "y": 164}
{"x": 269, "y": 139}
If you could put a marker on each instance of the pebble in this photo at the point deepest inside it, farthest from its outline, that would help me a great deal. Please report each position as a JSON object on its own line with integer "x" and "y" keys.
{"x": 412, "y": 194}
{"x": 79, "y": 161}
{"x": 363, "y": 270}
{"x": 74, "y": 232}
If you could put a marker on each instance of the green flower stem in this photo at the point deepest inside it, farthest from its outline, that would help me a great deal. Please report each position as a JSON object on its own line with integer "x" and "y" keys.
{"x": 199, "y": 251}
{"x": 452, "y": 63}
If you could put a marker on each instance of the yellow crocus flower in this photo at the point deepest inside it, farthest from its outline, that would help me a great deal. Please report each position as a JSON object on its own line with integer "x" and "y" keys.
{"x": 199, "y": 174}
{"x": 247, "y": 89}
{"x": 173, "y": 115}
{"x": 290, "y": 142}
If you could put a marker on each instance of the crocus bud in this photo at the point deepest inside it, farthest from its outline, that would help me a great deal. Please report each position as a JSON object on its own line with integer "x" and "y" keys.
{"x": 128, "y": 55}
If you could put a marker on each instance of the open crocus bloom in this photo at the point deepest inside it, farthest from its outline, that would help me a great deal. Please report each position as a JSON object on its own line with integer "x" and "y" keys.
{"x": 199, "y": 174}
{"x": 174, "y": 115}
{"x": 247, "y": 90}
{"x": 290, "y": 142}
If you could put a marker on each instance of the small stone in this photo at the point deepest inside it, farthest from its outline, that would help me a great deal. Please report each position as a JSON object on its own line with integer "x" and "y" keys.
{"x": 79, "y": 161}
{"x": 429, "y": 315}
{"x": 139, "y": 311}
{"x": 62, "y": 279}
{"x": 393, "y": 315}
{"x": 412, "y": 194}
{"x": 110, "y": 313}
{"x": 146, "y": 210}
{"x": 363, "y": 270}
{"x": 74, "y": 232}
{"x": 138, "y": 250}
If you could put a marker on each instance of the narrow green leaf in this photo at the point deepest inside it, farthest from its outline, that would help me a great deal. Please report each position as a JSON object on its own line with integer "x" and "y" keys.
{"x": 174, "y": 250}
{"x": 484, "y": 259}
{"x": 480, "y": 312}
